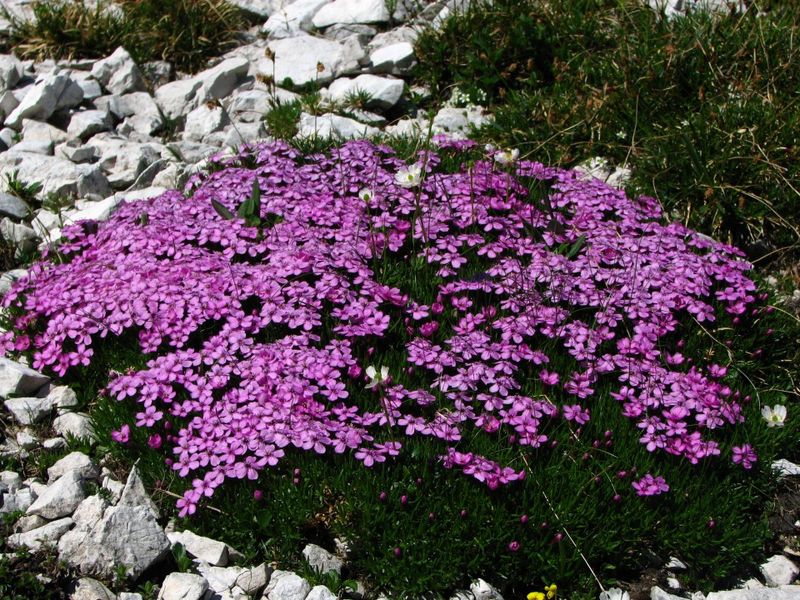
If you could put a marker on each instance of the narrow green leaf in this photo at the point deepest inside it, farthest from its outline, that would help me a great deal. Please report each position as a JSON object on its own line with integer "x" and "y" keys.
{"x": 222, "y": 211}
{"x": 576, "y": 247}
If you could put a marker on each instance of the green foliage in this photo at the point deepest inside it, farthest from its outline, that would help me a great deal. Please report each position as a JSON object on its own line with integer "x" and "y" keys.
{"x": 185, "y": 32}
{"x": 23, "y": 190}
{"x": 704, "y": 109}
{"x": 281, "y": 120}
{"x": 182, "y": 558}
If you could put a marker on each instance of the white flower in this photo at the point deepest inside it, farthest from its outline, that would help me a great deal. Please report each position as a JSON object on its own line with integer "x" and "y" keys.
{"x": 410, "y": 177}
{"x": 375, "y": 378}
{"x": 775, "y": 415}
{"x": 366, "y": 194}
{"x": 506, "y": 157}
{"x": 614, "y": 594}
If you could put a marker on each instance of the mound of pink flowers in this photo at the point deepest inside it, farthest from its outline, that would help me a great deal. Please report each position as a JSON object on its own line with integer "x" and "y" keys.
{"x": 260, "y": 336}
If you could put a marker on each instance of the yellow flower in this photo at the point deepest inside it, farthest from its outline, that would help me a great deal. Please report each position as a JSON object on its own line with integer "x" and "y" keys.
{"x": 536, "y": 596}
{"x": 551, "y": 591}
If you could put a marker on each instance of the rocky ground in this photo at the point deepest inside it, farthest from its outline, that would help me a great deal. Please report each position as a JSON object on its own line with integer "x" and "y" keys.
{"x": 93, "y": 134}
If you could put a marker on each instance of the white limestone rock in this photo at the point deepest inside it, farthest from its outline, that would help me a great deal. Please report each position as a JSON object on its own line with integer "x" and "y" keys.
{"x": 656, "y": 593}
{"x": 11, "y": 71}
{"x": 779, "y": 570}
{"x": 129, "y": 596}
{"x": 483, "y": 590}
{"x": 33, "y": 130}
{"x": 383, "y": 92}
{"x": 211, "y": 551}
{"x": 35, "y": 147}
{"x": 90, "y": 511}
{"x": 257, "y": 8}
{"x": 8, "y": 279}
{"x": 74, "y": 424}
{"x": 49, "y": 93}
{"x": 333, "y": 126}
{"x": 27, "y": 411}
{"x": 61, "y": 498}
{"x": 128, "y": 535}
{"x": 121, "y": 160}
{"x": 87, "y": 588}
{"x": 62, "y": 396}
{"x": 74, "y": 462}
{"x": 26, "y": 439}
{"x": 785, "y": 468}
{"x": 320, "y": 592}
{"x": 56, "y": 443}
{"x": 177, "y": 98}
{"x": 786, "y": 592}
{"x": 360, "y": 32}
{"x": 86, "y": 123}
{"x": 140, "y": 113}
{"x": 17, "y": 379}
{"x": 58, "y": 176}
{"x": 204, "y": 120}
{"x": 292, "y": 18}
{"x": 285, "y": 585}
{"x": 8, "y": 102}
{"x": 351, "y": 11}
{"x": 18, "y": 500}
{"x": 675, "y": 8}
{"x": 220, "y": 80}
{"x": 10, "y": 481}
{"x": 29, "y": 523}
{"x": 183, "y": 586}
{"x": 118, "y": 73}
{"x": 35, "y": 539}
{"x": 396, "y": 59}
{"x": 11, "y": 206}
{"x": 458, "y": 121}
{"x": 297, "y": 58}
{"x": 254, "y": 579}
{"x": 321, "y": 560}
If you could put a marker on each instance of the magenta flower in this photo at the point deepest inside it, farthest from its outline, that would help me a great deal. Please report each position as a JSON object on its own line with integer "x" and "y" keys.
{"x": 123, "y": 435}
{"x": 745, "y": 456}
{"x": 650, "y": 486}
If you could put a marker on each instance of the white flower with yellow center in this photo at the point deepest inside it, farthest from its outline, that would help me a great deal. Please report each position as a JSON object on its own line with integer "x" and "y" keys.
{"x": 366, "y": 194}
{"x": 774, "y": 415}
{"x": 410, "y": 177}
{"x": 376, "y": 378}
{"x": 506, "y": 157}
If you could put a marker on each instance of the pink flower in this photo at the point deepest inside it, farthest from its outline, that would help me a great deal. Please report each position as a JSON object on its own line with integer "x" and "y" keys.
{"x": 744, "y": 455}
{"x": 122, "y": 436}
{"x": 650, "y": 486}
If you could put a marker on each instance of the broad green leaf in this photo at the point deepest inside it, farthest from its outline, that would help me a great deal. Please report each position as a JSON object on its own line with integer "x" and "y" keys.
{"x": 221, "y": 210}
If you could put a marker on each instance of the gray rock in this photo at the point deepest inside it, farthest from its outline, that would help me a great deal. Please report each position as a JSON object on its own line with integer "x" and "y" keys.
{"x": 11, "y": 206}
{"x": 40, "y": 101}
{"x": 62, "y": 396}
{"x": 383, "y": 92}
{"x": 15, "y": 501}
{"x": 114, "y": 487}
{"x": 29, "y": 523}
{"x": 459, "y": 120}
{"x": 26, "y": 439}
{"x": 10, "y": 71}
{"x": 35, "y": 539}
{"x": 90, "y": 87}
{"x": 779, "y": 570}
{"x": 656, "y": 593}
{"x": 237, "y": 134}
{"x": 675, "y": 564}
{"x": 10, "y": 481}
{"x": 204, "y": 120}
{"x": 90, "y": 511}
{"x": 396, "y": 59}
{"x": 785, "y": 468}
{"x": 351, "y": 11}
{"x": 254, "y": 579}
{"x": 74, "y": 152}
{"x": 8, "y": 102}
{"x": 321, "y": 560}
{"x": 296, "y": 59}
{"x": 674, "y": 8}
{"x": 61, "y": 498}
{"x": 256, "y": 8}
{"x": 157, "y": 72}
{"x": 285, "y": 585}
{"x": 35, "y": 147}
{"x": 127, "y": 535}
{"x": 36, "y": 486}
{"x": 294, "y": 17}
{"x": 129, "y": 596}
{"x": 340, "y": 33}
{"x": 320, "y": 592}
{"x": 189, "y": 152}
{"x": 122, "y": 161}
{"x": 183, "y": 586}
{"x": 87, "y": 588}
{"x": 58, "y": 176}
{"x": 140, "y": 111}
{"x": 72, "y": 95}
{"x": 177, "y": 98}
{"x": 75, "y": 424}
{"x": 27, "y": 411}
{"x": 74, "y": 462}
{"x": 86, "y": 123}
{"x": 118, "y": 73}
{"x": 8, "y": 137}
{"x": 787, "y": 592}
{"x": 17, "y": 379}
{"x": 211, "y": 551}
{"x": 248, "y": 106}
{"x": 33, "y": 130}
{"x": 56, "y": 443}
{"x": 219, "y": 81}
{"x": 483, "y": 590}
{"x": 330, "y": 125}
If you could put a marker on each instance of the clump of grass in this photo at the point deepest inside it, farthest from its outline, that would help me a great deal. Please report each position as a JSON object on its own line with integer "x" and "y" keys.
{"x": 184, "y": 32}
{"x": 703, "y": 108}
